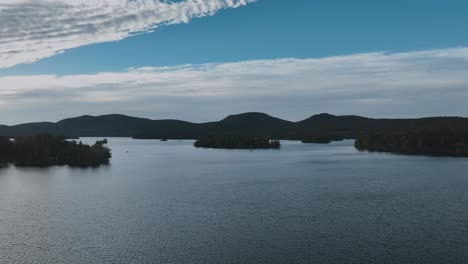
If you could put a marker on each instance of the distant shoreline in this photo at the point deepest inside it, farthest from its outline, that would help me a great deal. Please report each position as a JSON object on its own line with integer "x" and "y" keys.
{"x": 447, "y": 134}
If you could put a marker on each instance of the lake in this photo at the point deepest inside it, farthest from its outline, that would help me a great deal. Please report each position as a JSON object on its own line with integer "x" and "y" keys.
{"x": 168, "y": 202}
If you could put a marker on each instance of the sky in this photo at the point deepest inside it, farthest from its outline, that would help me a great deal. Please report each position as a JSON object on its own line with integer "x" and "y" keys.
{"x": 200, "y": 60}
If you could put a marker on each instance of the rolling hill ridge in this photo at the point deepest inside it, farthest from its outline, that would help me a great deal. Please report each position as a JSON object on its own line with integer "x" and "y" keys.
{"x": 245, "y": 124}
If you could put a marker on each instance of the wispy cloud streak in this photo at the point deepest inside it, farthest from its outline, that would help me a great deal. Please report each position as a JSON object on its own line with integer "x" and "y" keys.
{"x": 32, "y": 30}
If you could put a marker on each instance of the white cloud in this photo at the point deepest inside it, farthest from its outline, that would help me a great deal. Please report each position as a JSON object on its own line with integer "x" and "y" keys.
{"x": 31, "y": 30}
{"x": 433, "y": 82}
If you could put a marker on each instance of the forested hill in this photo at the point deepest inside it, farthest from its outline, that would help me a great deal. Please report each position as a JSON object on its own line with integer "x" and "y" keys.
{"x": 247, "y": 124}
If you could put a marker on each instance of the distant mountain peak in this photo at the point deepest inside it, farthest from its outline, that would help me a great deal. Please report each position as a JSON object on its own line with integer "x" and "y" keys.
{"x": 108, "y": 117}
{"x": 251, "y": 117}
{"x": 323, "y": 116}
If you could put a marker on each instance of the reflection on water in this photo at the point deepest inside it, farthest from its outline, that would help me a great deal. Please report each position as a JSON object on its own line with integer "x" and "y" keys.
{"x": 167, "y": 202}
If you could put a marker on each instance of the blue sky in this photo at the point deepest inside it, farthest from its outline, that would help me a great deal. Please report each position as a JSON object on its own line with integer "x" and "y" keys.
{"x": 242, "y": 32}
{"x": 276, "y": 29}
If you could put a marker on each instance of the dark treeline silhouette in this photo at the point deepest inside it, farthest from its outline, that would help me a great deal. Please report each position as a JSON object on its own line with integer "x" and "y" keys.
{"x": 320, "y": 139}
{"x": 433, "y": 143}
{"x": 237, "y": 143}
{"x": 47, "y": 150}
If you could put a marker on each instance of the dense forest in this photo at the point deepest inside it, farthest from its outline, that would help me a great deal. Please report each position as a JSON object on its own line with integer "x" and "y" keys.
{"x": 47, "y": 150}
{"x": 237, "y": 143}
{"x": 434, "y": 143}
{"x": 320, "y": 139}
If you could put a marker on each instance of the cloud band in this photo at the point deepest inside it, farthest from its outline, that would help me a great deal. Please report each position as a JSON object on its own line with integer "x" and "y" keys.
{"x": 33, "y": 30}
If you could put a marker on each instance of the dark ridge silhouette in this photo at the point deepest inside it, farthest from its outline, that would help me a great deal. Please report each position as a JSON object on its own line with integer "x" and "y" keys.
{"x": 235, "y": 142}
{"x": 48, "y": 150}
{"x": 111, "y": 125}
{"x": 248, "y": 125}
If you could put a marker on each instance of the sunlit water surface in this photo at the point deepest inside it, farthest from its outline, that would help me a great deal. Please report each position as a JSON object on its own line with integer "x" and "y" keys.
{"x": 167, "y": 202}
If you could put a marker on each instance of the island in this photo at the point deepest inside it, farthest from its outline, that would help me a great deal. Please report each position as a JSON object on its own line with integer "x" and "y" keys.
{"x": 232, "y": 142}
{"x": 431, "y": 143}
{"x": 48, "y": 150}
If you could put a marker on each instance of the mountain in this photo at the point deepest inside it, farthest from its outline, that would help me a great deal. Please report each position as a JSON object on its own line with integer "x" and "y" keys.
{"x": 345, "y": 126}
{"x": 120, "y": 126}
{"x": 247, "y": 124}
{"x": 350, "y": 126}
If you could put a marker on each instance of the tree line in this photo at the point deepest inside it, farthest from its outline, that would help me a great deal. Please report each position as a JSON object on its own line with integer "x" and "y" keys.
{"x": 232, "y": 142}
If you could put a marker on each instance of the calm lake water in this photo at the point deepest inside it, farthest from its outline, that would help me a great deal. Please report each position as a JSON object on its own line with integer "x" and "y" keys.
{"x": 167, "y": 202}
